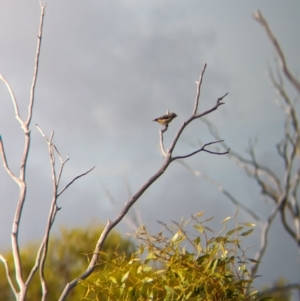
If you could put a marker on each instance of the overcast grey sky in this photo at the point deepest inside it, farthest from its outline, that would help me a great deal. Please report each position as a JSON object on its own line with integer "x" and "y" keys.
{"x": 107, "y": 69}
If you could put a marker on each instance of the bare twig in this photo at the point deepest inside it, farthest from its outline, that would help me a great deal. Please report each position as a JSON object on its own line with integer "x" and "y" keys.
{"x": 161, "y": 141}
{"x": 264, "y": 240}
{"x": 36, "y": 64}
{"x": 76, "y": 178}
{"x": 5, "y": 164}
{"x": 14, "y": 101}
{"x": 199, "y": 83}
{"x": 8, "y": 276}
{"x": 203, "y": 149}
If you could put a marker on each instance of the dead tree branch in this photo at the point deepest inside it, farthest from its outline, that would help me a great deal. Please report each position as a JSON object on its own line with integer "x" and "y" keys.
{"x": 168, "y": 159}
{"x": 292, "y": 79}
{"x": 20, "y": 288}
{"x": 281, "y": 190}
{"x": 289, "y": 148}
{"x": 21, "y": 180}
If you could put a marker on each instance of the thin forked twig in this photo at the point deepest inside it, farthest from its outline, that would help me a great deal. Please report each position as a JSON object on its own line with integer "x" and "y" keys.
{"x": 203, "y": 149}
{"x": 8, "y": 276}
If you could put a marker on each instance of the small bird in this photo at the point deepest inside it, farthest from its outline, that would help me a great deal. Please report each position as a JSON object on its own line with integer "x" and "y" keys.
{"x": 165, "y": 119}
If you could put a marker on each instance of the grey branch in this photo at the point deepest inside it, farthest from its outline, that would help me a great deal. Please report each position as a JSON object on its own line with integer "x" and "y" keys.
{"x": 259, "y": 18}
{"x": 20, "y": 292}
{"x": 203, "y": 148}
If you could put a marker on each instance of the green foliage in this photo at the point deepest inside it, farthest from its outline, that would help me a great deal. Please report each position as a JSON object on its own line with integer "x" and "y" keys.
{"x": 68, "y": 256}
{"x": 182, "y": 266}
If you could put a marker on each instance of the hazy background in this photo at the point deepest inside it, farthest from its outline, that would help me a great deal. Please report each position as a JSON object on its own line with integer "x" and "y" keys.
{"x": 107, "y": 69}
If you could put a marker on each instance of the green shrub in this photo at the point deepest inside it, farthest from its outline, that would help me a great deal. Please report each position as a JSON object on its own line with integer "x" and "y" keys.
{"x": 186, "y": 264}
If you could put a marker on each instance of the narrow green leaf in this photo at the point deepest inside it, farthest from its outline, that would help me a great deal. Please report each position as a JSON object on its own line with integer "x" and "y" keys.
{"x": 199, "y": 228}
{"x": 234, "y": 230}
{"x": 147, "y": 269}
{"x": 175, "y": 237}
{"x": 215, "y": 262}
{"x": 250, "y": 225}
{"x": 125, "y": 276}
{"x": 247, "y": 232}
{"x": 197, "y": 240}
{"x": 225, "y": 219}
{"x": 147, "y": 279}
{"x": 199, "y": 214}
{"x": 230, "y": 232}
{"x": 151, "y": 256}
{"x": 202, "y": 258}
{"x": 113, "y": 279}
{"x": 253, "y": 293}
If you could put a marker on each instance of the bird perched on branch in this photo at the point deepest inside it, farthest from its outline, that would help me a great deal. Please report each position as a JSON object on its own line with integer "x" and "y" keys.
{"x": 166, "y": 119}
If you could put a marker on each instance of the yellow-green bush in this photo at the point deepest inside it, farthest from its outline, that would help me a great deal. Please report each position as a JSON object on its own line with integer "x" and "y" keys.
{"x": 185, "y": 265}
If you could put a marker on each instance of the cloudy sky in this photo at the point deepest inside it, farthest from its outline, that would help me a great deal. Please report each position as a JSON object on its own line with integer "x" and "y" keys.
{"x": 107, "y": 69}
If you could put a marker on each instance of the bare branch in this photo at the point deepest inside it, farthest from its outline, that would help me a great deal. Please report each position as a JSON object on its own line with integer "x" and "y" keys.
{"x": 8, "y": 277}
{"x": 8, "y": 170}
{"x": 76, "y": 178}
{"x": 22, "y": 181}
{"x": 283, "y": 192}
{"x": 62, "y": 163}
{"x": 250, "y": 166}
{"x": 219, "y": 103}
{"x": 259, "y": 18}
{"x": 198, "y": 83}
{"x": 161, "y": 141}
{"x": 36, "y": 64}
{"x": 202, "y": 149}
{"x": 15, "y": 104}
{"x": 215, "y": 107}
{"x": 264, "y": 239}
{"x": 167, "y": 161}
